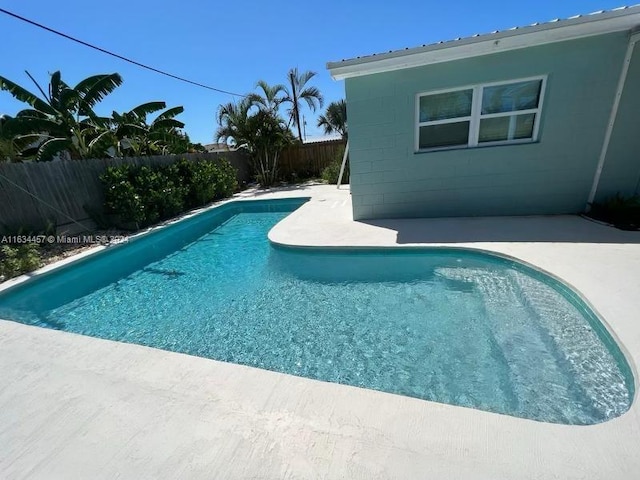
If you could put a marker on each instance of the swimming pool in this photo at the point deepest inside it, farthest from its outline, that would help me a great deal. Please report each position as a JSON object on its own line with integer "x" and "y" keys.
{"x": 448, "y": 325}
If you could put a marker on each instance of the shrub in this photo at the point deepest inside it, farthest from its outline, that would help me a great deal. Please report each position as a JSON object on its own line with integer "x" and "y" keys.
{"x": 144, "y": 195}
{"x": 621, "y": 211}
{"x": 120, "y": 196}
{"x": 331, "y": 172}
{"x": 228, "y": 179}
{"x": 161, "y": 198}
{"x": 19, "y": 259}
{"x": 204, "y": 183}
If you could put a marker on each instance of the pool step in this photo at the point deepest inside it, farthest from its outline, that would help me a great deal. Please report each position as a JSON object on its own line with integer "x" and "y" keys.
{"x": 595, "y": 374}
{"x": 519, "y": 345}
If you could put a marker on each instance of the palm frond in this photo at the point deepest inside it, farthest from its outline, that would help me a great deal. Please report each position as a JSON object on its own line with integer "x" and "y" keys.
{"x": 305, "y": 77}
{"x": 35, "y": 125}
{"x": 26, "y": 96}
{"x": 312, "y": 96}
{"x": 170, "y": 113}
{"x": 142, "y": 110}
{"x": 67, "y": 101}
{"x": 129, "y": 129}
{"x": 166, "y": 124}
{"x": 335, "y": 118}
{"x": 93, "y": 89}
{"x": 99, "y": 138}
{"x": 52, "y": 147}
{"x": 96, "y": 122}
{"x": 29, "y": 112}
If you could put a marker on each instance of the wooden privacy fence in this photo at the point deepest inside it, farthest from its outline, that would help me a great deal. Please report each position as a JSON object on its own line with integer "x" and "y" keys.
{"x": 35, "y": 196}
{"x": 60, "y": 191}
{"x": 309, "y": 159}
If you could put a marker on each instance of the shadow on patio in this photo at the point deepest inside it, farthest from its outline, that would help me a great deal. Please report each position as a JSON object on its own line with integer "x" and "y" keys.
{"x": 551, "y": 228}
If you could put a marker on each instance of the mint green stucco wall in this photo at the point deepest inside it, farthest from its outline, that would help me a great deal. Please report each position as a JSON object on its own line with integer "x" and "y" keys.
{"x": 553, "y": 175}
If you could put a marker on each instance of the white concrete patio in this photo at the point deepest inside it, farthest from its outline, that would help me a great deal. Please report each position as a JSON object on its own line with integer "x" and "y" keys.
{"x": 79, "y": 407}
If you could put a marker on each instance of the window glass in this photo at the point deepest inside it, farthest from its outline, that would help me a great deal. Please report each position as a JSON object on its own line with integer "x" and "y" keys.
{"x": 511, "y": 97}
{"x": 494, "y": 129}
{"x": 478, "y": 115}
{"x": 445, "y": 105}
{"x": 513, "y": 127}
{"x": 444, "y": 135}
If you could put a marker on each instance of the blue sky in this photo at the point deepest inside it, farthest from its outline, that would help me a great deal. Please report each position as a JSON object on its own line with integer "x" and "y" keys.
{"x": 231, "y": 45}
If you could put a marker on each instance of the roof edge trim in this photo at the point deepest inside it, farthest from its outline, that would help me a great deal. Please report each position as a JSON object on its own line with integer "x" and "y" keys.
{"x": 513, "y": 39}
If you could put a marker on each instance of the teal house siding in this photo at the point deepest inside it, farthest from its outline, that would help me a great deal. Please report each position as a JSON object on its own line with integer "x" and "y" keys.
{"x": 550, "y": 176}
{"x": 621, "y": 172}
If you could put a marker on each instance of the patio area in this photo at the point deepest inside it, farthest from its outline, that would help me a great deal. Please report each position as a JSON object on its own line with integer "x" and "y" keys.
{"x": 79, "y": 407}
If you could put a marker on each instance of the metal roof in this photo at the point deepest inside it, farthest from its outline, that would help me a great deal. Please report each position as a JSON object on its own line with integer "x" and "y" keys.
{"x": 603, "y": 21}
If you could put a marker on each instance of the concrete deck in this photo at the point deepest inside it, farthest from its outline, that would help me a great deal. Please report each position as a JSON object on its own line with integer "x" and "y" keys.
{"x": 79, "y": 407}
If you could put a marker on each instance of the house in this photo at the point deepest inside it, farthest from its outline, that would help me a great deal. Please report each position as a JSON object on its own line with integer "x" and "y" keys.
{"x": 218, "y": 147}
{"x": 543, "y": 119}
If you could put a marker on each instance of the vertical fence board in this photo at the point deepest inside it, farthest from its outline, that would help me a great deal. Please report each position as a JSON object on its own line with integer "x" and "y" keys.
{"x": 309, "y": 159}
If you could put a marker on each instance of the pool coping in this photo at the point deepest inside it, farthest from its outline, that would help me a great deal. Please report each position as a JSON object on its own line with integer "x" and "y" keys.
{"x": 292, "y": 427}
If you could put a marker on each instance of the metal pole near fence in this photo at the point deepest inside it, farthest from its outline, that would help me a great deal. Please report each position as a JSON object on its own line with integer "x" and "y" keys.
{"x": 344, "y": 162}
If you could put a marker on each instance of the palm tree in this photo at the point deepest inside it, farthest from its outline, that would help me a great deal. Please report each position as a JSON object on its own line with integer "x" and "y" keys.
{"x": 297, "y": 91}
{"x": 260, "y": 131}
{"x": 335, "y": 118}
{"x": 63, "y": 121}
{"x": 272, "y": 96}
{"x": 233, "y": 126}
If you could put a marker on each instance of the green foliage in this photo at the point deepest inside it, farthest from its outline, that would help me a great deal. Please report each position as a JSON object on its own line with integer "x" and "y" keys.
{"x": 298, "y": 91}
{"x": 228, "y": 179}
{"x": 256, "y": 124}
{"x": 334, "y": 119}
{"x": 259, "y": 130}
{"x": 120, "y": 195}
{"x": 141, "y": 196}
{"x": 62, "y": 123}
{"x": 331, "y": 172}
{"x": 621, "y": 211}
{"x": 19, "y": 259}
{"x": 136, "y": 136}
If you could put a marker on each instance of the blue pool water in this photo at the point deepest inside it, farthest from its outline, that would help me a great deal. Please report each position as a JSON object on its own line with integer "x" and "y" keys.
{"x": 451, "y": 326}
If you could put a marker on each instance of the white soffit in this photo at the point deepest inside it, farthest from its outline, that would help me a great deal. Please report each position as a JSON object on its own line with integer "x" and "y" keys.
{"x": 621, "y": 19}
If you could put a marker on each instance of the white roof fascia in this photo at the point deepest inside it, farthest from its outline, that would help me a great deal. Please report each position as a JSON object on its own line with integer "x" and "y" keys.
{"x": 513, "y": 39}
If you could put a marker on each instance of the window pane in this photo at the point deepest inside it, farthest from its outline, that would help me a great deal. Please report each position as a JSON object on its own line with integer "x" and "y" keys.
{"x": 524, "y": 126}
{"x": 513, "y": 127}
{"x": 494, "y": 129}
{"x": 445, "y": 105}
{"x": 512, "y": 97}
{"x": 444, "y": 135}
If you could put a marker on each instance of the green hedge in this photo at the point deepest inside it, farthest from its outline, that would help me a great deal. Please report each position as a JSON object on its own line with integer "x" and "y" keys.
{"x": 15, "y": 260}
{"x": 140, "y": 196}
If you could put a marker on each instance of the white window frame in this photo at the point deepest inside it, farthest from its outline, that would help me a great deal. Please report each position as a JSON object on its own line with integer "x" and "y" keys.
{"x": 476, "y": 115}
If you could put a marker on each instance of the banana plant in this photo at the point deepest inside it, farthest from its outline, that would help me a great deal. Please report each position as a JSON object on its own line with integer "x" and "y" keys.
{"x": 135, "y": 136}
{"x": 63, "y": 122}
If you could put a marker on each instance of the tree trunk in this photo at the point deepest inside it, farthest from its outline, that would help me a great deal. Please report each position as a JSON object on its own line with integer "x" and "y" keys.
{"x": 296, "y": 113}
